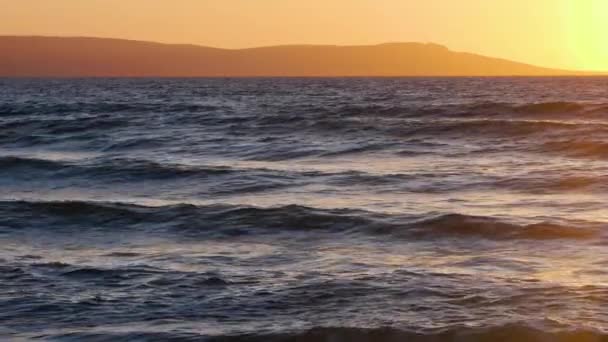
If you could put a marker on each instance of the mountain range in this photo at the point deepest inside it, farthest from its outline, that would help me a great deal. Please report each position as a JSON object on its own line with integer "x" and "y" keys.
{"x": 35, "y": 56}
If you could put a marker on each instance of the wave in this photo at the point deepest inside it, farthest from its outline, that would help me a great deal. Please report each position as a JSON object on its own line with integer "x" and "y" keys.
{"x": 452, "y": 125}
{"x": 111, "y": 172}
{"x": 56, "y": 126}
{"x": 494, "y": 127}
{"x": 363, "y": 110}
{"x": 437, "y": 183}
{"x": 239, "y": 220}
{"x": 553, "y": 184}
{"x": 456, "y": 225}
{"x": 115, "y": 127}
{"x": 127, "y": 169}
{"x": 150, "y": 275}
{"x": 93, "y": 273}
{"x": 226, "y": 180}
{"x": 532, "y": 108}
{"x": 576, "y": 147}
{"x": 140, "y": 275}
{"x": 507, "y": 333}
{"x": 34, "y": 131}
{"x": 491, "y": 109}
{"x": 15, "y": 163}
{"x": 103, "y": 107}
{"x": 120, "y": 168}
{"x": 539, "y": 109}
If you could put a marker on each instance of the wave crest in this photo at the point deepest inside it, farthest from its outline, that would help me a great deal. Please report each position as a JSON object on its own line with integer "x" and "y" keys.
{"x": 464, "y": 225}
{"x": 226, "y": 219}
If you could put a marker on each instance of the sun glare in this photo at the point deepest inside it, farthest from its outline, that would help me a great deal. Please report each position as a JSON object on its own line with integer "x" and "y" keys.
{"x": 587, "y": 31}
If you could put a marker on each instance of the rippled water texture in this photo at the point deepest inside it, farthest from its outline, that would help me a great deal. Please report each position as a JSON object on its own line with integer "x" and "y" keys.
{"x": 304, "y": 209}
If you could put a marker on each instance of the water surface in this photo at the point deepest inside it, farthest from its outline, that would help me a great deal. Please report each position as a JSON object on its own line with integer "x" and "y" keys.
{"x": 304, "y": 209}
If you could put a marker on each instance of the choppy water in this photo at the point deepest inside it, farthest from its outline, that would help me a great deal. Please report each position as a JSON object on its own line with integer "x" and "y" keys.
{"x": 304, "y": 209}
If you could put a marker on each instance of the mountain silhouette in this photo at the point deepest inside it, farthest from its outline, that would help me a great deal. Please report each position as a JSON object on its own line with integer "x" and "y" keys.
{"x": 22, "y": 56}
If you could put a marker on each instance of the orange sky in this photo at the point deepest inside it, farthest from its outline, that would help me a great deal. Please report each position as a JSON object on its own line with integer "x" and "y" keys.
{"x": 556, "y": 33}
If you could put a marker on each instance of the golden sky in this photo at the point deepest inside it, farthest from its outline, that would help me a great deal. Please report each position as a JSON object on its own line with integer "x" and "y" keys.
{"x": 556, "y": 33}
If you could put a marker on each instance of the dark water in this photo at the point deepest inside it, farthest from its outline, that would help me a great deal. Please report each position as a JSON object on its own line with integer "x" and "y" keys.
{"x": 304, "y": 209}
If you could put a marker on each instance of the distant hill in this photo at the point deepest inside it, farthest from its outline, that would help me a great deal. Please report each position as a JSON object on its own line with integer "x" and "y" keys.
{"x": 82, "y": 57}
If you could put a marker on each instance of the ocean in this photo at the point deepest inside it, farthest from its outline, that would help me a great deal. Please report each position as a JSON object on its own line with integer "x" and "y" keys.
{"x": 313, "y": 209}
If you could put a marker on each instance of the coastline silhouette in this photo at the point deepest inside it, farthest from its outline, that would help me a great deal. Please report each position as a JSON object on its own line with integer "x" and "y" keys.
{"x": 102, "y": 57}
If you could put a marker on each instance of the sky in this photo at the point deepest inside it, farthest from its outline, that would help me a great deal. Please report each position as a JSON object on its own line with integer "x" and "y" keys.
{"x": 569, "y": 34}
